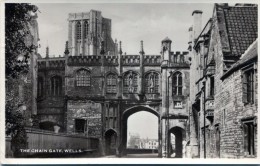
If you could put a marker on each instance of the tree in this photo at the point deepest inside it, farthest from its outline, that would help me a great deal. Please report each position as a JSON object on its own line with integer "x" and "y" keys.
{"x": 18, "y": 48}
{"x": 17, "y": 45}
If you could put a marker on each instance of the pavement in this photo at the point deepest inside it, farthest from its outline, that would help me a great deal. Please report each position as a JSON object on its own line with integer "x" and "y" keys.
{"x": 149, "y": 155}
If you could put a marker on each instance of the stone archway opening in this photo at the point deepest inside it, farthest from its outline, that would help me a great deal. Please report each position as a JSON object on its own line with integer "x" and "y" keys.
{"x": 176, "y": 137}
{"x": 111, "y": 138}
{"x": 140, "y": 147}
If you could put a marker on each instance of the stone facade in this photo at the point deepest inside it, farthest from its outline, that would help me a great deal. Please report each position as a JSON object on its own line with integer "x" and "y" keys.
{"x": 222, "y": 123}
{"x": 121, "y": 85}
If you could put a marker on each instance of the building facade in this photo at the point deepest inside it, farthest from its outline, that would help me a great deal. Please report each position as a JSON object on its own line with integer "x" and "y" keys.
{"x": 94, "y": 88}
{"x": 223, "y": 96}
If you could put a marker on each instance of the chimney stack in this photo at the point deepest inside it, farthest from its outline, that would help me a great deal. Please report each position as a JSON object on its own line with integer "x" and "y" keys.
{"x": 197, "y": 18}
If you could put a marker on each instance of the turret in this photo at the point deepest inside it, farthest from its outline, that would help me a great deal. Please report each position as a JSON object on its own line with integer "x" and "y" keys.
{"x": 47, "y": 52}
{"x": 166, "y": 48}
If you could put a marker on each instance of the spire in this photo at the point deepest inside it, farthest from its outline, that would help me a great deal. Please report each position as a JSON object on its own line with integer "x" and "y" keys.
{"x": 120, "y": 48}
{"x": 142, "y": 48}
{"x": 47, "y": 52}
{"x": 66, "y": 52}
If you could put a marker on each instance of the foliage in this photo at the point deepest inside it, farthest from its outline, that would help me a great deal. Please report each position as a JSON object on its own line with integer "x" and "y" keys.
{"x": 17, "y": 32}
{"x": 18, "y": 46}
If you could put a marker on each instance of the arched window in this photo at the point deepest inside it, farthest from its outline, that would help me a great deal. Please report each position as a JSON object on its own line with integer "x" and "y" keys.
{"x": 130, "y": 82}
{"x": 78, "y": 30}
{"x": 40, "y": 87}
{"x": 86, "y": 29}
{"x": 83, "y": 78}
{"x": 152, "y": 83}
{"x": 111, "y": 83}
{"x": 56, "y": 86}
{"x": 177, "y": 84}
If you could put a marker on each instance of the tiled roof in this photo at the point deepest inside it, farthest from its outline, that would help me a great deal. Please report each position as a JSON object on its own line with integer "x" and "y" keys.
{"x": 241, "y": 26}
{"x": 249, "y": 55}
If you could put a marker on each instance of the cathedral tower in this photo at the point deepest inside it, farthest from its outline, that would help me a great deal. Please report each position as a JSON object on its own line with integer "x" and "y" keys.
{"x": 86, "y": 31}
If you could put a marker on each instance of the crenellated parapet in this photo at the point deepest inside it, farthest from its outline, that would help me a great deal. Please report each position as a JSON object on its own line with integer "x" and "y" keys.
{"x": 55, "y": 63}
{"x": 111, "y": 60}
{"x": 91, "y": 60}
{"x": 179, "y": 57}
{"x": 152, "y": 60}
{"x": 131, "y": 60}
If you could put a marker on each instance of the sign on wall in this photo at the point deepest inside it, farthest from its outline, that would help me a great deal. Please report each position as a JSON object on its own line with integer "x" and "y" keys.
{"x": 89, "y": 113}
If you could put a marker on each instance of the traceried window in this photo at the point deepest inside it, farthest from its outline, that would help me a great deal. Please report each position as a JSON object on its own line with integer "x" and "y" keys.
{"x": 152, "y": 82}
{"x": 56, "y": 86}
{"x": 83, "y": 78}
{"x": 86, "y": 29}
{"x": 111, "y": 83}
{"x": 249, "y": 134}
{"x": 130, "y": 82}
{"x": 40, "y": 87}
{"x": 177, "y": 84}
{"x": 78, "y": 30}
{"x": 248, "y": 86}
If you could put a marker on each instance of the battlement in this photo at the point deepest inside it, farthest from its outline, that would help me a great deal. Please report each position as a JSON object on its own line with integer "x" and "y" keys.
{"x": 78, "y": 16}
{"x": 111, "y": 60}
{"x": 152, "y": 60}
{"x": 90, "y": 60}
{"x": 53, "y": 63}
{"x": 179, "y": 57}
{"x": 131, "y": 60}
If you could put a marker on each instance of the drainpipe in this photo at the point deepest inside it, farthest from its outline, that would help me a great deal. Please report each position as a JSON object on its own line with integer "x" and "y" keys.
{"x": 204, "y": 114}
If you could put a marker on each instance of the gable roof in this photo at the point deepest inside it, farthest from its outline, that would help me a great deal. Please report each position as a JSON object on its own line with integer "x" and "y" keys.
{"x": 239, "y": 27}
{"x": 249, "y": 56}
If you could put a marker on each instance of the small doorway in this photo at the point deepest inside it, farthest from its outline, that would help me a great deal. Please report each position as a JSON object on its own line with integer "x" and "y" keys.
{"x": 178, "y": 134}
{"x": 110, "y": 137}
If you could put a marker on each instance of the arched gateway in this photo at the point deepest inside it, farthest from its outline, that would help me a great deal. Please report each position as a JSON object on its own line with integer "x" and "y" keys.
{"x": 126, "y": 114}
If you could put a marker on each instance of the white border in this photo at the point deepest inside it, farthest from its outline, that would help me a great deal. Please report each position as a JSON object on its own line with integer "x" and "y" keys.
{"x": 4, "y": 160}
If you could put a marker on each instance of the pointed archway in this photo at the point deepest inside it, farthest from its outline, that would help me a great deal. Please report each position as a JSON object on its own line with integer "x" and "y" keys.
{"x": 126, "y": 114}
{"x": 111, "y": 138}
{"x": 179, "y": 137}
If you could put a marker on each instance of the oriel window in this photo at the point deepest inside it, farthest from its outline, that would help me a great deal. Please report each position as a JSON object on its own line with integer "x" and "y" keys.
{"x": 83, "y": 78}
{"x": 111, "y": 83}
{"x": 152, "y": 83}
{"x": 130, "y": 82}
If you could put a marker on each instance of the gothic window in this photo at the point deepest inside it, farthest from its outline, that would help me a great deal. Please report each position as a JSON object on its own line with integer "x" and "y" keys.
{"x": 248, "y": 86}
{"x": 56, "y": 86}
{"x": 86, "y": 29}
{"x": 78, "y": 30}
{"x": 152, "y": 83}
{"x": 211, "y": 92}
{"x": 249, "y": 136}
{"x": 83, "y": 78}
{"x": 111, "y": 83}
{"x": 130, "y": 82}
{"x": 177, "y": 84}
{"x": 40, "y": 87}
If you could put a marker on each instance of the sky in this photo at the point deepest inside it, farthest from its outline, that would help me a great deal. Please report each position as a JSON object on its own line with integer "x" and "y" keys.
{"x": 143, "y": 123}
{"x": 131, "y": 23}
